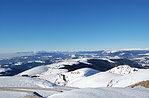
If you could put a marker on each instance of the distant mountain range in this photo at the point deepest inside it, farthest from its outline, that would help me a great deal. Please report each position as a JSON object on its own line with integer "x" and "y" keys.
{"x": 135, "y": 58}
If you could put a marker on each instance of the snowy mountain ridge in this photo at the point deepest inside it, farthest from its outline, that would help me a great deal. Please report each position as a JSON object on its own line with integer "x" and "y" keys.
{"x": 75, "y": 74}
{"x": 123, "y": 69}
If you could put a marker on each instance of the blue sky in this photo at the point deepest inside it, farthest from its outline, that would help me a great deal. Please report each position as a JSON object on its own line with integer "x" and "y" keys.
{"x": 32, "y": 25}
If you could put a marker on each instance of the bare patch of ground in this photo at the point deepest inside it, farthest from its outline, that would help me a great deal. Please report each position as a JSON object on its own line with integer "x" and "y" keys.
{"x": 143, "y": 83}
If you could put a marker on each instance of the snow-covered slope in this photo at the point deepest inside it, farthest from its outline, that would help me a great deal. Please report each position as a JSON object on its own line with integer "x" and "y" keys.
{"x": 11, "y": 94}
{"x": 35, "y": 71}
{"x": 107, "y": 79}
{"x": 25, "y": 87}
{"x": 45, "y": 68}
{"x": 24, "y": 82}
{"x": 97, "y": 80}
{"x": 53, "y": 71}
{"x": 104, "y": 93}
{"x": 130, "y": 79}
{"x": 82, "y": 72}
{"x": 123, "y": 69}
{"x": 65, "y": 78}
{"x": 81, "y": 77}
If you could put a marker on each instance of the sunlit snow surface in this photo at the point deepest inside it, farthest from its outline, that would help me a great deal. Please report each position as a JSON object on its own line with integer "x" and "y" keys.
{"x": 88, "y": 82}
{"x": 24, "y": 82}
{"x": 104, "y": 93}
{"x": 123, "y": 69}
{"x": 120, "y": 76}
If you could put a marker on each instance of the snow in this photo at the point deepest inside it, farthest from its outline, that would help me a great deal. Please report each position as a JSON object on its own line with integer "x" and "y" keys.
{"x": 4, "y": 69}
{"x": 15, "y": 81}
{"x": 40, "y": 61}
{"x": 71, "y": 76}
{"x": 121, "y": 76}
{"x": 110, "y": 51}
{"x": 35, "y": 71}
{"x": 68, "y": 62}
{"x": 86, "y": 80}
{"x": 84, "y": 72}
{"x": 104, "y": 93}
{"x": 108, "y": 60}
{"x": 97, "y": 80}
{"x": 18, "y": 87}
{"x": 123, "y": 69}
{"x": 73, "y": 61}
{"x": 134, "y": 49}
{"x": 114, "y": 57}
{"x": 51, "y": 74}
{"x": 108, "y": 79}
{"x": 122, "y": 53}
{"x": 8, "y": 94}
{"x": 52, "y": 71}
{"x": 18, "y": 63}
{"x": 147, "y": 54}
{"x": 21, "y": 92}
{"x": 130, "y": 79}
